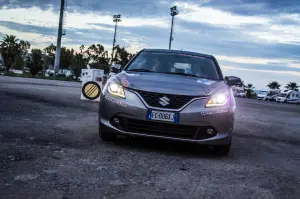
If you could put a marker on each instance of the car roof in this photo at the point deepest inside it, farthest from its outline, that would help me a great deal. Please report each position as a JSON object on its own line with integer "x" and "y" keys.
{"x": 177, "y": 51}
{"x": 288, "y": 91}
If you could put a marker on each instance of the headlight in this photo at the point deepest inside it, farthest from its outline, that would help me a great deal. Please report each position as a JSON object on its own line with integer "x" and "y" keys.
{"x": 116, "y": 89}
{"x": 217, "y": 100}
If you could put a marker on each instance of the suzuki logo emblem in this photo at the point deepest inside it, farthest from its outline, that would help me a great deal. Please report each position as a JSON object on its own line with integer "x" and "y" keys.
{"x": 164, "y": 101}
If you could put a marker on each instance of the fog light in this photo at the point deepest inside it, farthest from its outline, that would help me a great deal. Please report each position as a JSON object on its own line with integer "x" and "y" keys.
{"x": 210, "y": 131}
{"x": 116, "y": 121}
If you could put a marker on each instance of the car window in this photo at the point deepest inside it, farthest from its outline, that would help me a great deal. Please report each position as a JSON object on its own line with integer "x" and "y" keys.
{"x": 161, "y": 62}
{"x": 282, "y": 95}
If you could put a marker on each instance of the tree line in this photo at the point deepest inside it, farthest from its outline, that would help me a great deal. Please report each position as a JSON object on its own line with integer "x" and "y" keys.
{"x": 289, "y": 86}
{"x": 16, "y": 55}
{"x": 272, "y": 85}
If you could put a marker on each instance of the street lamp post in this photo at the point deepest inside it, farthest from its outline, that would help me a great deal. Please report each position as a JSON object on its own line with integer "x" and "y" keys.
{"x": 116, "y": 18}
{"x": 59, "y": 35}
{"x": 173, "y": 13}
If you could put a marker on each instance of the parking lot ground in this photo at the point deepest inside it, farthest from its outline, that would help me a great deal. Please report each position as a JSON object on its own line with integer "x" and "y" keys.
{"x": 49, "y": 148}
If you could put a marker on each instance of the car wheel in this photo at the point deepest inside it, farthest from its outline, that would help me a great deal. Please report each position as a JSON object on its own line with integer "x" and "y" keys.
{"x": 106, "y": 136}
{"x": 285, "y": 101}
{"x": 222, "y": 150}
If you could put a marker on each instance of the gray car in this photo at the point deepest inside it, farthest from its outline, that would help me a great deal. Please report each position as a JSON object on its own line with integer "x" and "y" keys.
{"x": 169, "y": 94}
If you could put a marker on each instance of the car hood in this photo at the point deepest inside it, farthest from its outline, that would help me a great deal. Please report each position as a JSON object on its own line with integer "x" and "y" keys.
{"x": 169, "y": 84}
{"x": 261, "y": 95}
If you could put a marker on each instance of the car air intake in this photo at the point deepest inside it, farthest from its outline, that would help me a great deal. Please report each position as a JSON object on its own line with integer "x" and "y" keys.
{"x": 172, "y": 102}
{"x": 165, "y": 129}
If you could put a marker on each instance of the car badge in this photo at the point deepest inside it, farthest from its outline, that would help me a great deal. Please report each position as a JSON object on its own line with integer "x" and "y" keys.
{"x": 164, "y": 101}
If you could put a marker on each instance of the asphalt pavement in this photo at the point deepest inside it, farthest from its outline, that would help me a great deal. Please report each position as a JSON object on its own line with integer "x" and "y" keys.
{"x": 50, "y": 148}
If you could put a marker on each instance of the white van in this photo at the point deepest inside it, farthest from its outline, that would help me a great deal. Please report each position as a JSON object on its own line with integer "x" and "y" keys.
{"x": 272, "y": 95}
{"x": 294, "y": 98}
{"x": 288, "y": 96}
{"x": 238, "y": 91}
{"x": 261, "y": 95}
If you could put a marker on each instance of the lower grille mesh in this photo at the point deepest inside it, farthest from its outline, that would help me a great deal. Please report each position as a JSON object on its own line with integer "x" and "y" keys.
{"x": 164, "y": 129}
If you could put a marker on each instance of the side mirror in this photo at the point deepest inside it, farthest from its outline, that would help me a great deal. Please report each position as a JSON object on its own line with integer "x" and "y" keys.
{"x": 232, "y": 80}
{"x": 116, "y": 68}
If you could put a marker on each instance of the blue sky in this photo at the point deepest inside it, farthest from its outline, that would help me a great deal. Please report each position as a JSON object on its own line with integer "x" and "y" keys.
{"x": 258, "y": 41}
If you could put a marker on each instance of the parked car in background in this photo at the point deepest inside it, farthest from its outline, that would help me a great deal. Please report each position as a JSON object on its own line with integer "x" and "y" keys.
{"x": 272, "y": 95}
{"x": 288, "y": 96}
{"x": 241, "y": 93}
{"x": 261, "y": 95}
{"x": 238, "y": 91}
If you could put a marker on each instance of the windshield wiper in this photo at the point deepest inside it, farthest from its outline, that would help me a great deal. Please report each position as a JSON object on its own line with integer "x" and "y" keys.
{"x": 184, "y": 74}
{"x": 141, "y": 70}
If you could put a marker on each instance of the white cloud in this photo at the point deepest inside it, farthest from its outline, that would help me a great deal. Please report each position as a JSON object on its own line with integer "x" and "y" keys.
{"x": 208, "y": 15}
{"x": 294, "y": 73}
{"x": 268, "y": 30}
{"x": 261, "y": 79}
{"x": 288, "y": 34}
{"x": 291, "y": 63}
{"x": 49, "y": 18}
{"x": 133, "y": 43}
{"x": 293, "y": 17}
{"x": 40, "y": 39}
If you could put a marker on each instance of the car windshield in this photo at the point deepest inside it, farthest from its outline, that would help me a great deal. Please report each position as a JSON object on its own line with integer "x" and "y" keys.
{"x": 263, "y": 92}
{"x": 271, "y": 93}
{"x": 282, "y": 95}
{"x": 175, "y": 63}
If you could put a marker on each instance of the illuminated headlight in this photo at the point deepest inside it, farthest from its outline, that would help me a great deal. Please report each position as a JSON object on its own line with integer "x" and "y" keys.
{"x": 217, "y": 100}
{"x": 116, "y": 89}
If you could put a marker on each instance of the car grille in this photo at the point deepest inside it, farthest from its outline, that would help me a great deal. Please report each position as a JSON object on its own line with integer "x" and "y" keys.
{"x": 175, "y": 101}
{"x": 164, "y": 129}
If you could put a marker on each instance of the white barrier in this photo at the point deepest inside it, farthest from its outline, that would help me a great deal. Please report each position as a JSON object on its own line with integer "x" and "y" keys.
{"x": 91, "y": 84}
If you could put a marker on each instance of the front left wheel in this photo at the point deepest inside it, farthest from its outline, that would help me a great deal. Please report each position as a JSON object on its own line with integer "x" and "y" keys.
{"x": 106, "y": 136}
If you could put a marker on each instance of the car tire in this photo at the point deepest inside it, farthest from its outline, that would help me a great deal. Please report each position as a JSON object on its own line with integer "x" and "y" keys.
{"x": 285, "y": 101}
{"x": 106, "y": 136}
{"x": 222, "y": 150}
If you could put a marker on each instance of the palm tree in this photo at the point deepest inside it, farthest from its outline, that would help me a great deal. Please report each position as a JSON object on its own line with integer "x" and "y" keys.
{"x": 122, "y": 56}
{"x": 249, "y": 89}
{"x": 35, "y": 63}
{"x": 98, "y": 56}
{"x": 292, "y": 86}
{"x": 13, "y": 51}
{"x": 66, "y": 57}
{"x": 274, "y": 85}
{"x": 9, "y": 49}
{"x": 24, "y": 46}
{"x": 81, "y": 48}
{"x": 49, "y": 56}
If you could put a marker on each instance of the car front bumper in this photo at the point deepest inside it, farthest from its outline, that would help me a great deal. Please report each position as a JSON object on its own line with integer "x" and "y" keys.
{"x": 194, "y": 120}
{"x": 280, "y": 99}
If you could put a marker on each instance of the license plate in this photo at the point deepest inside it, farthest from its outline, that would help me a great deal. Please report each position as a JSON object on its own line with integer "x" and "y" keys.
{"x": 163, "y": 116}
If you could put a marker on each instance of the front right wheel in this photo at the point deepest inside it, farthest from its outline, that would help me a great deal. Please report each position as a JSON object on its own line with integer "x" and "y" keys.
{"x": 222, "y": 150}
